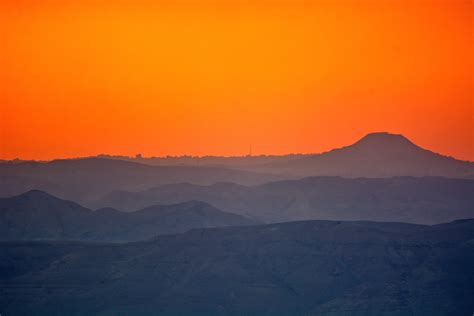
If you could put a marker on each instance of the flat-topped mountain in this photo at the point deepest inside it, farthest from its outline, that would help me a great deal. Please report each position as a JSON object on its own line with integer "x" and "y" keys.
{"x": 36, "y": 215}
{"x": 299, "y": 268}
{"x": 375, "y": 155}
{"x": 427, "y": 200}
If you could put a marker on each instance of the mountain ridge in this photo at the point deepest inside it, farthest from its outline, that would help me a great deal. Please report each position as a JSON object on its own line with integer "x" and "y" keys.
{"x": 37, "y": 215}
{"x": 147, "y": 160}
{"x": 427, "y": 200}
{"x": 85, "y": 179}
{"x": 379, "y": 154}
{"x": 298, "y": 268}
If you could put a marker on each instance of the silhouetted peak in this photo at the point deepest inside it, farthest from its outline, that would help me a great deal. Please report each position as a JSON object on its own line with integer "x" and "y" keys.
{"x": 37, "y": 199}
{"x": 384, "y": 139}
{"x": 36, "y": 194}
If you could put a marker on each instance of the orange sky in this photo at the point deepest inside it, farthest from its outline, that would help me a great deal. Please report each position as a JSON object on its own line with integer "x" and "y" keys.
{"x": 80, "y": 78}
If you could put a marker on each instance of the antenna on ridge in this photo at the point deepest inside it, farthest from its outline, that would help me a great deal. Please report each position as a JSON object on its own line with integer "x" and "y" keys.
{"x": 250, "y": 151}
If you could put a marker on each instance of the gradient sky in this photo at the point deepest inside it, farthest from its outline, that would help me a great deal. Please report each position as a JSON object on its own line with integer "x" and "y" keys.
{"x": 80, "y": 78}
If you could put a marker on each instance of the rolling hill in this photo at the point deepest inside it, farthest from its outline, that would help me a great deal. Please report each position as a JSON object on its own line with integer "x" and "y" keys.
{"x": 83, "y": 180}
{"x": 36, "y": 215}
{"x": 427, "y": 200}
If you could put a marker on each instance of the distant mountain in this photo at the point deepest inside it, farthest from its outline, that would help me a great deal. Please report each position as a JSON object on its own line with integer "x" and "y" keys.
{"x": 300, "y": 268}
{"x": 36, "y": 215}
{"x": 375, "y": 155}
{"x": 83, "y": 180}
{"x": 86, "y": 179}
{"x": 427, "y": 200}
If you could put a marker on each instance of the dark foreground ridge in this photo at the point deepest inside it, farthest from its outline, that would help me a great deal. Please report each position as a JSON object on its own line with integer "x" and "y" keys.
{"x": 300, "y": 268}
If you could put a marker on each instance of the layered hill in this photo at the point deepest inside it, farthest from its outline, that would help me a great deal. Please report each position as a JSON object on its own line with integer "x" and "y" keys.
{"x": 82, "y": 180}
{"x": 36, "y": 215}
{"x": 427, "y": 200}
{"x": 300, "y": 268}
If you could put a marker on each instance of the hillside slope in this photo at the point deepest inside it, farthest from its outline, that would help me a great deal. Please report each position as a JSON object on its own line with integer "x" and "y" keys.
{"x": 300, "y": 268}
{"x": 83, "y": 180}
{"x": 376, "y": 155}
{"x": 36, "y": 215}
{"x": 427, "y": 200}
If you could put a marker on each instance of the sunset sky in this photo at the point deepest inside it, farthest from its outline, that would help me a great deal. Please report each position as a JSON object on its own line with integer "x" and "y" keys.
{"x": 80, "y": 78}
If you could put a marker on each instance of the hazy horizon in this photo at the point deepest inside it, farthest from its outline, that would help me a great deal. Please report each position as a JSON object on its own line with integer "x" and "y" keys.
{"x": 249, "y": 154}
{"x": 236, "y": 157}
{"x": 82, "y": 78}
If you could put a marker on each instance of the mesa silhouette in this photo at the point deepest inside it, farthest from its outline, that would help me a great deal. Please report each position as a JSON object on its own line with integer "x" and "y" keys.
{"x": 375, "y": 155}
